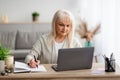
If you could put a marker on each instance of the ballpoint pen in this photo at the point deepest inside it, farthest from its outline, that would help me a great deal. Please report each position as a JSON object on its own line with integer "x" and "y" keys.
{"x": 111, "y": 57}
{"x": 35, "y": 60}
{"x": 104, "y": 56}
{"x": 112, "y": 60}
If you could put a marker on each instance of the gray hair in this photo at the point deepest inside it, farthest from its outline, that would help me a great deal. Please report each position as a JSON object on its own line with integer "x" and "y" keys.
{"x": 60, "y": 14}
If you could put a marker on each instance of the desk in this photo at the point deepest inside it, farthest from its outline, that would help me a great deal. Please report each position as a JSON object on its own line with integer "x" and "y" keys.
{"x": 88, "y": 74}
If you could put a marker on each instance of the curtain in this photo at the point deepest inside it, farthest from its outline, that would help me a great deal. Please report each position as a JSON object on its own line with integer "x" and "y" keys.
{"x": 107, "y": 13}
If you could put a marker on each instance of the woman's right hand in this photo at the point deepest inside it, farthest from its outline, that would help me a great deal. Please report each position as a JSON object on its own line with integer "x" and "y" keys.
{"x": 33, "y": 63}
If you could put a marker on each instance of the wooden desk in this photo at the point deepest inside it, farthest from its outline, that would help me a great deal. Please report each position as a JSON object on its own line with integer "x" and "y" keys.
{"x": 90, "y": 74}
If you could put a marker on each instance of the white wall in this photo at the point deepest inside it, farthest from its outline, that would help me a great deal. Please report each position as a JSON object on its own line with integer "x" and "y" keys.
{"x": 117, "y": 32}
{"x": 21, "y": 10}
{"x": 108, "y": 23}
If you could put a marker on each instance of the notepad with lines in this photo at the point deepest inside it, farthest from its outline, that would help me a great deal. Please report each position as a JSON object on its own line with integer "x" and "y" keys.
{"x": 22, "y": 67}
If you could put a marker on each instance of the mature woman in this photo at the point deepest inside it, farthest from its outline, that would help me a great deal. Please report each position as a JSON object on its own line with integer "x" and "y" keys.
{"x": 48, "y": 45}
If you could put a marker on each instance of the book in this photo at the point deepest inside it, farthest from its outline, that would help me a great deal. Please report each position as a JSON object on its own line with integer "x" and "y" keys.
{"x": 21, "y": 70}
{"x": 21, "y": 67}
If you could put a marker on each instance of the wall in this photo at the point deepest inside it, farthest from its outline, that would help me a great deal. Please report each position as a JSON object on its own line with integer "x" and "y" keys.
{"x": 117, "y": 32}
{"x": 21, "y": 10}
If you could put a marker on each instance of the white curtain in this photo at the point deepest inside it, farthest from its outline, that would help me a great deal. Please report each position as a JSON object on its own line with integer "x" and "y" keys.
{"x": 107, "y": 13}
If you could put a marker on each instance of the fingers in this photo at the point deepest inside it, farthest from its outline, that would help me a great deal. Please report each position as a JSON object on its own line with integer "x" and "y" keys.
{"x": 38, "y": 62}
{"x": 34, "y": 64}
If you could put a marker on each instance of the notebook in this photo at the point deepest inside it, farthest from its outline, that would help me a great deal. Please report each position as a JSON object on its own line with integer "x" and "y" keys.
{"x": 21, "y": 67}
{"x": 74, "y": 59}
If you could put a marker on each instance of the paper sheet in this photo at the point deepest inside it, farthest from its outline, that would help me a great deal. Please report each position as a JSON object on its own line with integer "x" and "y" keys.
{"x": 98, "y": 71}
{"x": 19, "y": 66}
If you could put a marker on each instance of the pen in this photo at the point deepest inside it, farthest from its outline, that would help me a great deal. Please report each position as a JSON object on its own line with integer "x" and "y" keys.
{"x": 111, "y": 57}
{"x": 104, "y": 56}
{"x": 35, "y": 60}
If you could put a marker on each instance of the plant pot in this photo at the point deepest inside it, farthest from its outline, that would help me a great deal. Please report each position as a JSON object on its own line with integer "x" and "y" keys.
{"x": 35, "y": 18}
{"x": 2, "y": 65}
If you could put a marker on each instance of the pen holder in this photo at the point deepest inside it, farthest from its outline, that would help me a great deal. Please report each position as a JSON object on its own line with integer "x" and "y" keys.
{"x": 109, "y": 65}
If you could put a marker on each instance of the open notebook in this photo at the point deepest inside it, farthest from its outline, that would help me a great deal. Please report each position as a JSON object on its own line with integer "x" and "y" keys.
{"x": 22, "y": 67}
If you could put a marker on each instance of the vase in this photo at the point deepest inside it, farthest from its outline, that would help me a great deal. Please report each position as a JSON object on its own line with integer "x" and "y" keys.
{"x": 35, "y": 18}
{"x": 88, "y": 44}
{"x": 2, "y": 65}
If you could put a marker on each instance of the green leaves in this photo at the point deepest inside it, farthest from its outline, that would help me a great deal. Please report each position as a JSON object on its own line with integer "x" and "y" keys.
{"x": 4, "y": 52}
{"x": 35, "y": 14}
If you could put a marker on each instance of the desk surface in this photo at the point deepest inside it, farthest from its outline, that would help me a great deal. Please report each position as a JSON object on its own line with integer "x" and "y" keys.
{"x": 96, "y": 73}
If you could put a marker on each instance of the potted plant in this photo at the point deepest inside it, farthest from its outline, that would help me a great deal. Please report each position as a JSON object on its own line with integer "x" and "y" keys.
{"x": 35, "y": 16}
{"x": 4, "y": 52}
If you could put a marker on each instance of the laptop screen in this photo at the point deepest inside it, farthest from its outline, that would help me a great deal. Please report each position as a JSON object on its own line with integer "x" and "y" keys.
{"x": 75, "y": 58}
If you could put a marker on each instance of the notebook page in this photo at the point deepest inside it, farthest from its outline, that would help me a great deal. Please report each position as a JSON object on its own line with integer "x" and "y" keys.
{"x": 40, "y": 68}
{"x": 22, "y": 65}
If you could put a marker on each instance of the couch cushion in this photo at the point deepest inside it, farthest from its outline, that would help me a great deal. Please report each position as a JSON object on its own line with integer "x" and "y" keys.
{"x": 7, "y": 39}
{"x": 25, "y": 40}
{"x": 19, "y": 55}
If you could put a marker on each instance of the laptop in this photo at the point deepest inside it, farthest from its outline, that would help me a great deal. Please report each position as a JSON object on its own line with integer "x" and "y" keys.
{"x": 74, "y": 59}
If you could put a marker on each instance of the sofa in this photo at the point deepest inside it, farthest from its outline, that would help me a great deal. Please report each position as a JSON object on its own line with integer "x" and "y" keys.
{"x": 20, "y": 37}
{"x": 19, "y": 42}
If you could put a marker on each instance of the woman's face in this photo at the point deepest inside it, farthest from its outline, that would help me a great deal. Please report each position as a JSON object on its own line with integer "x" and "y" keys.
{"x": 63, "y": 27}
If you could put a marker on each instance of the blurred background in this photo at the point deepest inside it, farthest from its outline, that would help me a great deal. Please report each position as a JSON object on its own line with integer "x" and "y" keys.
{"x": 105, "y": 12}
